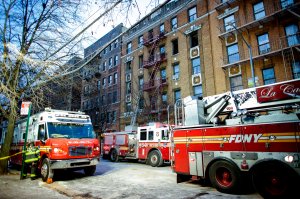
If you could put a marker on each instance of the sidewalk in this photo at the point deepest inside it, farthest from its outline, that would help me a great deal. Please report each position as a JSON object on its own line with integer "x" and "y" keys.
{"x": 12, "y": 187}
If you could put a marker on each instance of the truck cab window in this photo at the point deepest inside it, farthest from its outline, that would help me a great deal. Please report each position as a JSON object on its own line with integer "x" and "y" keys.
{"x": 143, "y": 135}
{"x": 42, "y": 132}
{"x": 150, "y": 135}
{"x": 164, "y": 134}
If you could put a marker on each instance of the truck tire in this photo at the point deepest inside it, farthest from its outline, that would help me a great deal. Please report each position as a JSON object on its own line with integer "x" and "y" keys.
{"x": 46, "y": 171}
{"x": 89, "y": 171}
{"x": 274, "y": 180}
{"x": 114, "y": 155}
{"x": 155, "y": 159}
{"x": 225, "y": 177}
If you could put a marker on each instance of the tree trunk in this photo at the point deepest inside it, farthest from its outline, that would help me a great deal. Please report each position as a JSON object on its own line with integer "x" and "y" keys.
{"x": 8, "y": 140}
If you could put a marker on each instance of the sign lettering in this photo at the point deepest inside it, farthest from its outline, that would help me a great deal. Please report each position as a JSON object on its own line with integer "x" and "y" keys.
{"x": 244, "y": 138}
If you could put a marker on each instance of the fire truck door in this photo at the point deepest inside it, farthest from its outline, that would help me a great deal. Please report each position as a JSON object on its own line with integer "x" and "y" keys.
{"x": 195, "y": 151}
{"x": 180, "y": 151}
{"x": 143, "y": 137}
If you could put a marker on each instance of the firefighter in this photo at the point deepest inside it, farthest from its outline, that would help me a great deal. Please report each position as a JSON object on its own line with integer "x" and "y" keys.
{"x": 32, "y": 157}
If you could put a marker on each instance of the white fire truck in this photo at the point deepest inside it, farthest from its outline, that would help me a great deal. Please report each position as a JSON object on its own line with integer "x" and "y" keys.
{"x": 253, "y": 133}
{"x": 150, "y": 143}
{"x": 66, "y": 140}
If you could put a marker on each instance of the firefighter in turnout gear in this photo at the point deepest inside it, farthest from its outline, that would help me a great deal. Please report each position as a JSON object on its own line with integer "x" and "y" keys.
{"x": 32, "y": 156}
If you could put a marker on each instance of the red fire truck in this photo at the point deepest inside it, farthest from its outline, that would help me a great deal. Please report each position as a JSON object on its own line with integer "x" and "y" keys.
{"x": 65, "y": 138}
{"x": 252, "y": 133}
{"x": 150, "y": 143}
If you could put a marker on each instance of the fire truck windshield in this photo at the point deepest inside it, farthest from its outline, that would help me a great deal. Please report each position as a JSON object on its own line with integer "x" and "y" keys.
{"x": 70, "y": 130}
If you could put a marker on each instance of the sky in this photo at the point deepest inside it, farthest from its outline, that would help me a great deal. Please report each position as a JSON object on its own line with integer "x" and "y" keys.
{"x": 93, "y": 9}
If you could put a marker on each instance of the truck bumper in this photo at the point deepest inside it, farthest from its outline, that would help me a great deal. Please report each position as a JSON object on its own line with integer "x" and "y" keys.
{"x": 73, "y": 163}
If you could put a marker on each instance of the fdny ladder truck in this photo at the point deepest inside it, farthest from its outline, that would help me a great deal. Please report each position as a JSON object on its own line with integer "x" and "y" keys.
{"x": 253, "y": 133}
{"x": 66, "y": 140}
{"x": 149, "y": 143}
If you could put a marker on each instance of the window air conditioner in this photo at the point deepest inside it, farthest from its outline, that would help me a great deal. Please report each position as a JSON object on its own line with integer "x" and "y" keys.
{"x": 128, "y": 98}
{"x": 196, "y": 79}
{"x": 194, "y": 52}
{"x": 234, "y": 70}
{"x": 128, "y": 77}
{"x": 231, "y": 39}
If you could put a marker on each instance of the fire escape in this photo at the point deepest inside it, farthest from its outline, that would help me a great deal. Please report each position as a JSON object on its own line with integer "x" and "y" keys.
{"x": 154, "y": 86}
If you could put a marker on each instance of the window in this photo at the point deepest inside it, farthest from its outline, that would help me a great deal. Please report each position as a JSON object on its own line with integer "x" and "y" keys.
{"x": 196, "y": 66}
{"x": 109, "y": 80}
{"x": 150, "y": 135}
{"x": 141, "y": 61}
{"x": 116, "y": 43}
{"x": 141, "y": 41}
{"x": 162, "y": 28}
{"x": 192, "y": 14}
{"x": 268, "y": 76}
{"x": 128, "y": 66}
{"x": 233, "y": 53}
{"x": 103, "y": 99}
{"x": 110, "y": 46}
{"x": 194, "y": 39}
{"x": 116, "y": 60}
{"x": 98, "y": 85}
{"x": 141, "y": 82}
{"x": 286, "y": 3}
{"x": 109, "y": 98}
{"x": 236, "y": 83}
{"x": 115, "y": 78}
{"x": 198, "y": 91}
{"x": 103, "y": 82}
{"x": 163, "y": 74}
{"x": 176, "y": 71}
{"x": 105, "y": 51}
{"x": 110, "y": 62}
{"x": 174, "y": 23}
{"x": 229, "y": 23}
{"x": 129, "y": 47}
{"x": 143, "y": 135}
{"x": 115, "y": 94}
{"x": 177, "y": 95}
{"x": 128, "y": 107}
{"x": 164, "y": 98}
{"x": 296, "y": 69}
{"x": 263, "y": 43}
{"x": 259, "y": 10}
{"x": 141, "y": 103}
{"x": 175, "y": 47}
{"x": 128, "y": 87}
{"x": 162, "y": 50}
{"x": 114, "y": 116}
{"x": 291, "y": 34}
{"x": 104, "y": 66}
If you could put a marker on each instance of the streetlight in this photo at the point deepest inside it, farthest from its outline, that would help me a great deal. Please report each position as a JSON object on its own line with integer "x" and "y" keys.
{"x": 249, "y": 49}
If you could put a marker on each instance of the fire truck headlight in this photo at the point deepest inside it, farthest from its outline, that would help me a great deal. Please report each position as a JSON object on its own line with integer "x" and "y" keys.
{"x": 289, "y": 158}
{"x": 57, "y": 150}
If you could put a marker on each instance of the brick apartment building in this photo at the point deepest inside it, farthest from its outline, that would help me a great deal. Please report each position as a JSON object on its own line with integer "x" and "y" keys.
{"x": 101, "y": 81}
{"x": 65, "y": 93}
{"x": 201, "y": 47}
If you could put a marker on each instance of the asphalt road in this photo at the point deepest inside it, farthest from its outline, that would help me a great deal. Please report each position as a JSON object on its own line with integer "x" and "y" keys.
{"x": 111, "y": 181}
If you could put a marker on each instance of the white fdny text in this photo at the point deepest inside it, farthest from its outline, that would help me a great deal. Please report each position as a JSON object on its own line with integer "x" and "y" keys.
{"x": 244, "y": 138}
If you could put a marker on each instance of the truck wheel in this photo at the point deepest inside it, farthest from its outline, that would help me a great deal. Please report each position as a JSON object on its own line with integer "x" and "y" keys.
{"x": 46, "y": 171}
{"x": 274, "y": 180}
{"x": 89, "y": 171}
{"x": 225, "y": 177}
{"x": 155, "y": 159}
{"x": 114, "y": 156}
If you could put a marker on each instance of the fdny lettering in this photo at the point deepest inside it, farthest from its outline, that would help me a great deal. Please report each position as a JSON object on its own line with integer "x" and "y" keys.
{"x": 244, "y": 138}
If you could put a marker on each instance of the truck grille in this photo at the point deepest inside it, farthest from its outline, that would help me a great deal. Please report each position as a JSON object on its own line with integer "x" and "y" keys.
{"x": 79, "y": 151}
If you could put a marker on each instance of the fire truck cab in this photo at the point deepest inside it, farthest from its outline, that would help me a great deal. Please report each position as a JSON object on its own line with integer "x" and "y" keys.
{"x": 253, "y": 132}
{"x": 150, "y": 143}
{"x": 66, "y": 140}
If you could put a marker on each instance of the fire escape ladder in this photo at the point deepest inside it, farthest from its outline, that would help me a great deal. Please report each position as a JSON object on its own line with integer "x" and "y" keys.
{"x": 133, "y": 118}
{"x": 288, "y": 58}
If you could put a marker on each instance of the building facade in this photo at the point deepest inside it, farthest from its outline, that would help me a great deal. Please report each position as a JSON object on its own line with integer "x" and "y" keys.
{"x": 202, "y": 48}
{"x": 101, "y": 81}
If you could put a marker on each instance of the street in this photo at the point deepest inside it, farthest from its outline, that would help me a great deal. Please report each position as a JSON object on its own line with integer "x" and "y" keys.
{"x": 111, "y": 180}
